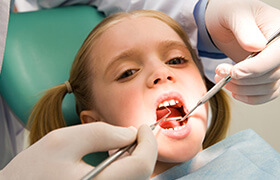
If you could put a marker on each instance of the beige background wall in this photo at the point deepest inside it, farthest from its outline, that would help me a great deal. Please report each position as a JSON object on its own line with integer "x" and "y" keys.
{"x": 264, "y": 119}
{"x": 274, "y": 3}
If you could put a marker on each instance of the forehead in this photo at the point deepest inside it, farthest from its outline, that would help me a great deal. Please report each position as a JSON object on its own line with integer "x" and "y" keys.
{"x": 133, "y": 31}
{"x": 141, "y": 33}
{"x": 144, "y": 26}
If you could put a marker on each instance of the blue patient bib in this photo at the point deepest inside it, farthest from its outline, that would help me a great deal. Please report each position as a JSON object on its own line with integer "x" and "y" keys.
{"x": 244, "y": 155}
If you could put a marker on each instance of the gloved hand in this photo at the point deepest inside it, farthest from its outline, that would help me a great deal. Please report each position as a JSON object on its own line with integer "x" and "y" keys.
{"x": 58, "y": 154}
{"x": 238, "y": 28}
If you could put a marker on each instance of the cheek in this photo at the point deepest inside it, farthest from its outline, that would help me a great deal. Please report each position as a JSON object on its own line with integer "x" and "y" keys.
{"x": 192, "y": 85}
{"x": 194, "y": 78}
{"x": 117, "y": 104}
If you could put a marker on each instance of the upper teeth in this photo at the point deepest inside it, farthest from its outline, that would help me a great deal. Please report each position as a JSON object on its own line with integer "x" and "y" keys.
{"x": 169, "y": 103}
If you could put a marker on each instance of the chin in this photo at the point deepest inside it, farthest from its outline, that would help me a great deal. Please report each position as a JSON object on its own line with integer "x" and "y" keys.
{"x": 178, "y": 152}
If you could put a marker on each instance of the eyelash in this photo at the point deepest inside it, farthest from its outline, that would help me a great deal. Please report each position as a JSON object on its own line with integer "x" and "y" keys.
{"x": 131, "y": 72}
{"x": 127, "y": 74}
{"x": 182, "y": 59}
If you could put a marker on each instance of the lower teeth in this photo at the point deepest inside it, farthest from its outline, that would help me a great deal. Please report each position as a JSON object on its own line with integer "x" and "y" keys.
{"x": 176, "y": 128}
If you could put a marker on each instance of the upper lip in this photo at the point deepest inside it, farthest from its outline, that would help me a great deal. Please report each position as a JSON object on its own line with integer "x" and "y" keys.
{"x": 170, "y": 96}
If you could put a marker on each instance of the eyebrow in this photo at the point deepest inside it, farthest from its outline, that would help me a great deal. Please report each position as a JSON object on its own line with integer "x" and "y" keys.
{"x": 173, "y": 44}
{"x": 122, "y": 56}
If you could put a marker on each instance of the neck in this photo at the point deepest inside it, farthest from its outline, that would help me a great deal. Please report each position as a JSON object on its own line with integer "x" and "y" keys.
{"x": 162, "y": 166}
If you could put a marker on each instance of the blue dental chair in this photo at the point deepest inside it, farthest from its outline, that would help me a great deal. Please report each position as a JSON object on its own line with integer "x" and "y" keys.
{"x": 40, "y": 49}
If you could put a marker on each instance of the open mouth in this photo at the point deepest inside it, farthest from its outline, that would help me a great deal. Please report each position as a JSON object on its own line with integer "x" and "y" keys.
{"x": 177, "y": 110}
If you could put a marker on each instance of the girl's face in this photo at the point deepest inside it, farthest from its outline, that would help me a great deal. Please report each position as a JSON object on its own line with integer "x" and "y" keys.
{"x": 138, "y": 65}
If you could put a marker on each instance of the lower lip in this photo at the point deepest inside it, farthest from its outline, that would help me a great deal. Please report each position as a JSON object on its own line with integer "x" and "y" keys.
{"x": 177, "y": 133}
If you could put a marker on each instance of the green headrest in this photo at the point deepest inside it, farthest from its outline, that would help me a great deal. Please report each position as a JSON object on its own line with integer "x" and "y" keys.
{"x": 40, "y": 49}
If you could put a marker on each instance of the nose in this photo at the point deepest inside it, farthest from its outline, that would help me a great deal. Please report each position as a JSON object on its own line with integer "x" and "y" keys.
{"x": 160, "y": 76}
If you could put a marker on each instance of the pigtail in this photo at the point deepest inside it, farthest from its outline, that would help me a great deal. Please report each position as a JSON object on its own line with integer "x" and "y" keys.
{"x": 47, "y": 113}
{"x": 220, "y": 117}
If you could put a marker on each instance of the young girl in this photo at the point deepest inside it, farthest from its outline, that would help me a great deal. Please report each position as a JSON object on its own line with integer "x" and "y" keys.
{"x": 129, "y": 67}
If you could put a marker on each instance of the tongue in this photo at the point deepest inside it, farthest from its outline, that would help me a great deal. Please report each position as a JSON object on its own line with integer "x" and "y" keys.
{"x": 168, "y": 124}
{"x": 174, "y": 113}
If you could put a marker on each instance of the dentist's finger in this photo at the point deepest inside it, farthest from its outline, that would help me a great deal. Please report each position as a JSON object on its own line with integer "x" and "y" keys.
{"x": 140, "y": 164}
{"x": 88, "y": 138}
{"x": 269, "y": 77}
{"x": 253, "y": 90}
{"x": 265, "y": 61}
{"x": 224, "y": 69}
{"x": 246, "y": 31}
{"x": 254, "y": 100}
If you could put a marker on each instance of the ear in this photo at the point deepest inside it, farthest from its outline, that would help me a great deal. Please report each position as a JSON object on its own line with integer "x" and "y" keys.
{"x": 88, "y": 116}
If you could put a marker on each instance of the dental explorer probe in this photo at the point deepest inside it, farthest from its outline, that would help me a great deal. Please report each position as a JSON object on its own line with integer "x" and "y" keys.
{"x": 220, "y": 84}
{"x": 120, "y": 152}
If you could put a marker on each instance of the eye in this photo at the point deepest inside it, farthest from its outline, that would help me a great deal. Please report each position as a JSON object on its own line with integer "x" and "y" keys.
{"x": 177, "y": 60}
{"x": 127, "y": 74}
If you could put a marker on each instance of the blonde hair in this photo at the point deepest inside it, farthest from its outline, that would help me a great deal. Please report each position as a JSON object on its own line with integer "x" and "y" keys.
{"x": 47, "y": 113}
